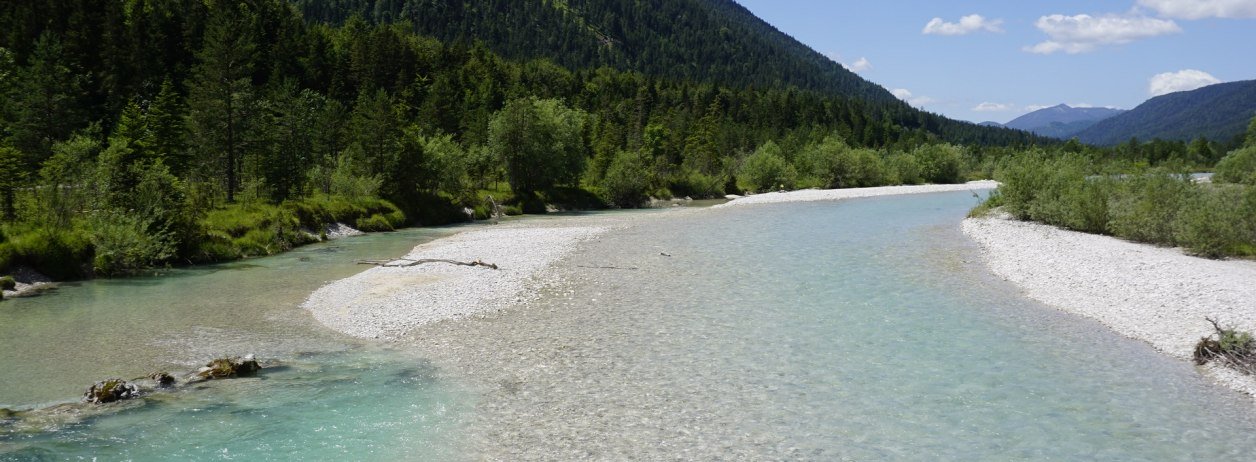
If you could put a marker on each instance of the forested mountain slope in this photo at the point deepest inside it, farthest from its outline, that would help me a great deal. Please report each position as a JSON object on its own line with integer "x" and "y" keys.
{"x": 1216, "y": 112}
{"x": 714, "y": 41}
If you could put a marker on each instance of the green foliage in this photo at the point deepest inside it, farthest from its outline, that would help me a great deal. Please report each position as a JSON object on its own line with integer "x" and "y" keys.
{"x": 62, "y": 254}
{"x": 939, "y": 163}
{"x": 541, "y": 141}
{"x": 7, "y": 283}
{"x": 125, "y": 244}
{"x": 1158, "y": 207}
{"x": 625, "y": 183}
{"x": 1238, "y": 166}
{"x": 766, "y": 170}
{"x": 1148, "y": 204}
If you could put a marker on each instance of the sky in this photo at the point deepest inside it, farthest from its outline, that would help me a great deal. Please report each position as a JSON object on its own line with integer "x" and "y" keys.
{"x": 997, "y": 60}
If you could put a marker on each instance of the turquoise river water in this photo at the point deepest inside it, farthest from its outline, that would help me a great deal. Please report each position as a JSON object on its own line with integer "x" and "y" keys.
{"x": 857, "y": 330}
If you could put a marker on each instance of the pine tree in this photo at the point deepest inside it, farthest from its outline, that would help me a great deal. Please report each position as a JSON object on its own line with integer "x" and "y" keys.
{"x": 48, "y": 100}
{"x": 221, "y": 96}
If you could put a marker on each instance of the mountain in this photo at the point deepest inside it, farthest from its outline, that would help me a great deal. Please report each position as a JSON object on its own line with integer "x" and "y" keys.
{"x": 713, "y": 41}
{"x": 1061, "y": 121}
{"x": 1218, "y": 112}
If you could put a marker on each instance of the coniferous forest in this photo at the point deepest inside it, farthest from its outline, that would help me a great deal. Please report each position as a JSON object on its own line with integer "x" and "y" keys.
{"x": 141, "y": 133}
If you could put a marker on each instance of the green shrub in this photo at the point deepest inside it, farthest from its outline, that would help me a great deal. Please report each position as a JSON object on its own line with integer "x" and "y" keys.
{"x": 625, "y": 182}
{"x": 1213, "y": 224}
{"x": 1146, "y": 206}
{"x": 698, "y": 185}
{"x": 125, "y": 244}
{"x": 902, "y": 169}
{"x": 1238, "y": 166}
{"x": 766, "y": 170}
{"x": 7, "y": 256}
{"x": 7, "y": 283}
{"x": 939, "y": 163}
{"x": 62, "y": 254}
{"x": 373, "y": 223}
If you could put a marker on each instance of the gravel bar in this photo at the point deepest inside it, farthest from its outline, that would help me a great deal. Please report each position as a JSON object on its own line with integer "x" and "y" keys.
{"x": 1154, "y": 294}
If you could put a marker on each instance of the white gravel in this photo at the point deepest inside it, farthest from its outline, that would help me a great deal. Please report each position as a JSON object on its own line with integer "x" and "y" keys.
{"x": 1157, "y": 295}
{"x": 389, "y": 302}
{"x": 809, "y": 195}
{"x": 339, "y": 230}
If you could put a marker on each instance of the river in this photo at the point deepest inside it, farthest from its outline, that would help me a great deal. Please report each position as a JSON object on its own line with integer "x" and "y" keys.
{"x": 864, "y": 329}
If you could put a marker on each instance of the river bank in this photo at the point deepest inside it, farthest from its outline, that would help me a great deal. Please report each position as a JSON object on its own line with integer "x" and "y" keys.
{"x": 1153, "y": 294}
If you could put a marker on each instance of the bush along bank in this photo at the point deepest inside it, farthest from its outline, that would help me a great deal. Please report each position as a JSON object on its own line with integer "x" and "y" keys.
{"x": 101, "y": 248}
{"x": 1157, "y": 206}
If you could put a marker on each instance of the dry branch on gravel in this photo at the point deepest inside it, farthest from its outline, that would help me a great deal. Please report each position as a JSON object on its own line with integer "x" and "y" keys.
{"x": 408, "y": 262}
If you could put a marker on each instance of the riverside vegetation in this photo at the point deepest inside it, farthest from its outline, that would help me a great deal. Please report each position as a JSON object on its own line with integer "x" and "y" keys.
{"x": 146, "y": 133}
{"x": 1161, "y": 206}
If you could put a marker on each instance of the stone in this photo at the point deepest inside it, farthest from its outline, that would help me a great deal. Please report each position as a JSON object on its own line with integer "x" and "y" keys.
{"x": 108, "y": 391}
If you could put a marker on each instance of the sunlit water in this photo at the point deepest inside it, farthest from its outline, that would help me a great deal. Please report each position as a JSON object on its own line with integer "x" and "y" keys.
{"x": 863, "y": 330}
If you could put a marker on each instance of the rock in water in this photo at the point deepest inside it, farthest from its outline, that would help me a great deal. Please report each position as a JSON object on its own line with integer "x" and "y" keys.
{"x": 108, "y": 391}
{"x": 223, "y": 368}
{"x": 162, "y": 379}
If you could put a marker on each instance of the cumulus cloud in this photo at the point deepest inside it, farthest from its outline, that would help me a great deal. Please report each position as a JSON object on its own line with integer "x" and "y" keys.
{"x": 860, "y": 65}
{"x": 994, "y": 107}
{"x": 1183, "y": 80}
{"x": 1199, "y": 9}
{"x": 966, "y": 25}
{"x": 1084, "y": 33}
{"x": 907, "y": 96}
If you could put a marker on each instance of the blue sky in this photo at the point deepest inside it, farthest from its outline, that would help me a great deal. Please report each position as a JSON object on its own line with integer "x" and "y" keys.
{"x": 1019, "y": 55}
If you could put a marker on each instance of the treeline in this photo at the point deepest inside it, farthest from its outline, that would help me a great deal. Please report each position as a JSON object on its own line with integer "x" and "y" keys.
{"x": 146, "y": 132}
{"x": 1162, "y": 206}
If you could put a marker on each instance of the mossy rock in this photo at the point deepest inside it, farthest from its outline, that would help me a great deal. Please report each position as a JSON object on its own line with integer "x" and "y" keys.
{"x": 225, "y": 368}
{"x": 108, "y": 391}
{"x": 8, "y": 283}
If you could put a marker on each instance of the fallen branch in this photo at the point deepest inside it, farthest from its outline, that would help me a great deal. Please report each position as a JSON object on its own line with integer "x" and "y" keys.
{"x": 409, "y": 262}
{"x": 633, "y": 268}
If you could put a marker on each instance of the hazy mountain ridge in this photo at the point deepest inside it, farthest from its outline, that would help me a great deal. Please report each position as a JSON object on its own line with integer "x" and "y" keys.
{"x": 1062, "y": 121}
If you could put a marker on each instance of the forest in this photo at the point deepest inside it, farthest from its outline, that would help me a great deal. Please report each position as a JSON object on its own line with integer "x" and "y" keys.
{"x": 142, "y": 133}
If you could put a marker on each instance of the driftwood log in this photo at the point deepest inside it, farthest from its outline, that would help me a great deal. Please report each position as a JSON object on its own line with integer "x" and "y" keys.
{"x": 408, "y": 262}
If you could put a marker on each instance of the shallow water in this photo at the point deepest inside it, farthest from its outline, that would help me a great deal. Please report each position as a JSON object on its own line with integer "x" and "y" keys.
{"x": 57, "y": 344}
{"x": 864, "y": 330}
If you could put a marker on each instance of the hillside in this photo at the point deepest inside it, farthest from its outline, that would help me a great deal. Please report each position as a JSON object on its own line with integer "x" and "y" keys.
{"x": 1061, "y": 121}
{"x": 714, "y": 41}
{"x": 1217, "y": 112}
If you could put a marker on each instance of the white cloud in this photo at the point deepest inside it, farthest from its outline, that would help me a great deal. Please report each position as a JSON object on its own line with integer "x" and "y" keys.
{"x": 907, "y": 96}
{"x": 994, "y": 107}
{"x": 966, "y": 25}
{"x": 860, "y": 65}
{"x": 1035, "y": 107}
{"x": 1084, "y": 33}
{"x": 1199, "y": 9}
{"x": 1183, "y": 80}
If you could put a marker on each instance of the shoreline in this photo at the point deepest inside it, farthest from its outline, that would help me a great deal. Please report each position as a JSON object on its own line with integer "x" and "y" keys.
{"x": 1153, "y": 294}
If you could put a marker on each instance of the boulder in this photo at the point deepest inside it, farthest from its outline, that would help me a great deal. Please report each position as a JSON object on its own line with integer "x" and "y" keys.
{"x": 162, "y": 379}
{"x": 108, "y": 391}
{"x": 224, "y": 368}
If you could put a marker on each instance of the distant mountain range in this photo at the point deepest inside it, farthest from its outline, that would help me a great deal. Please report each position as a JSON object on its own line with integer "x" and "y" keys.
{"x": 1218, "y": 112}
{"x": 1061, "y": 121}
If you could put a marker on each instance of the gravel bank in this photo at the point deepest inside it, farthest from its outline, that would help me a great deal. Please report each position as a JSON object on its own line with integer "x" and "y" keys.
{"x": 809, "y": 195}
{"x": 1157, "y": 295}
{"x": 386, "y": 302}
